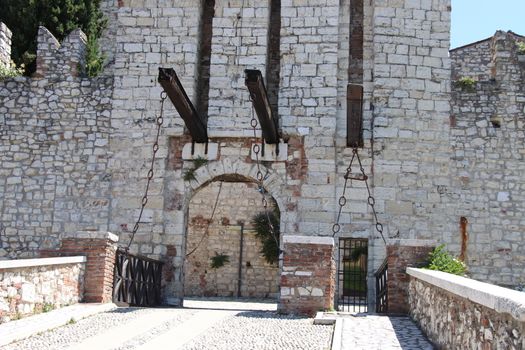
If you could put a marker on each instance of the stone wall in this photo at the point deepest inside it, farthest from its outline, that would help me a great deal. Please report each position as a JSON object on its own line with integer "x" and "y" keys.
{"x": 487, "y": 137}
{"x": 237, "y": 204}
{"x": 53, "y": 150}
{"x": 402, "y": 254}
{"x": 30, "y": 286}
{"x": 456, "y": 312}
{"x": 5, "y": 45}
{"x": 308, "y": 275}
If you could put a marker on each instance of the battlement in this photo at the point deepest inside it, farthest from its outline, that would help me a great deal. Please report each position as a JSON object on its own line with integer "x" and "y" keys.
{"x": 5, "y": 44}
{"x": 56, "y": 59}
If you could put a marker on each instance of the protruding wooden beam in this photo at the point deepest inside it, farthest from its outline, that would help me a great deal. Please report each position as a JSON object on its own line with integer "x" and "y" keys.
{"x": 354, "y": 116}
{"x": 171, "y": 84}
{"x": 254, "y": 82}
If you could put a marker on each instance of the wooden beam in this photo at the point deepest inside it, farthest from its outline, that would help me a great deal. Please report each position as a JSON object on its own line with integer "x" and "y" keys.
{"x": 354, "y": 116}
{"x": 254, "y": 82}
{"x": 171, "y": 84}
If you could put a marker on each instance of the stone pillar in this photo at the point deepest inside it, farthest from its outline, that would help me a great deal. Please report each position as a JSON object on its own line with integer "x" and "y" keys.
{"x": 100, "y": 249}
{"x": 308, "y": 275}
{"x": 403, "y": 253}
{"x": 5, "y": 45}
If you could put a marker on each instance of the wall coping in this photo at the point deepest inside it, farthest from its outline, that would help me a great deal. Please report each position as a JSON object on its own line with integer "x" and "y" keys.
{"x": 92, "y": 235}
{"x": 309, "y": 240}
{"x": 21, "y": 263}
{"x": 502, "y": 300}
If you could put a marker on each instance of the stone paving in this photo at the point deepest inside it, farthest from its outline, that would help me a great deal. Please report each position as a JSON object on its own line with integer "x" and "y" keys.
{"x": 223, "y": 324}
{"x": 374, "y": 332}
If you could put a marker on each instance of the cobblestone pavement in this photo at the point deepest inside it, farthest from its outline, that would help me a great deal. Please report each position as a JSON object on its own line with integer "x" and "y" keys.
{"x": 373, "y": 332}
{"x": 217, "y": 324}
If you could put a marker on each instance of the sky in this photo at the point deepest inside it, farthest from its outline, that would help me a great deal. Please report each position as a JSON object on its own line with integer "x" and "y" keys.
{"x": 474, "y": 20}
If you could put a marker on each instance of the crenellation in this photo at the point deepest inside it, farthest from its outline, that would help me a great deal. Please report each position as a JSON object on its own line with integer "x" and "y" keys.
{"x": 5, "y": 45}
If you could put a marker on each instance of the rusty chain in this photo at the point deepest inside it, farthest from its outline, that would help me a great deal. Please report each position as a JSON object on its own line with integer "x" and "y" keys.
{"x": 256, "y": 148}
{"x": 371, "y": 200}
{"x": 159, "y": 121}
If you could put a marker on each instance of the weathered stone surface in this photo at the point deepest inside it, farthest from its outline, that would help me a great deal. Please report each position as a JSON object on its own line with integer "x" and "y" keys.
{"x": 453, "y": 320}
{"x": 30, "y": 289}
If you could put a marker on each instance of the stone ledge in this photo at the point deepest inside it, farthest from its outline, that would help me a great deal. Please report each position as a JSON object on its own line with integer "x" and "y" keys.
{"x": 309, "y": 240}
{"x": 500, "y": 299}
{"x": 21, "y": 263}
{"x": 91, "y": 235}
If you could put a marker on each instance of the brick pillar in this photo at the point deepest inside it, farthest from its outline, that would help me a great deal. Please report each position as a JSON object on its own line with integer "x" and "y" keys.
{"x": 403, "y": 253}
{"x": 308, "y": 275}
{"x": 100, "y": 250}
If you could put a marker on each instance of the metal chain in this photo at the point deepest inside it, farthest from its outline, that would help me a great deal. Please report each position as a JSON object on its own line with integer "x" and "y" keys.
{"x": 159, "y": 121}
{"x": 371, "y": 200}
{"x": 259, "y": 176}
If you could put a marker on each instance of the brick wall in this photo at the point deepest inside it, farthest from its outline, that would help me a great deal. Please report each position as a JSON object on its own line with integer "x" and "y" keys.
{"x": 100, "y": 250}
{"x": 308, "y": 275}
{"x": 403, "y": 254}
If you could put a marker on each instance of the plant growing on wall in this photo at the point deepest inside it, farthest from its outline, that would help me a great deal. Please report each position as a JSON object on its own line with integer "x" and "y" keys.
{"x": 216, "y": 262}
{"x": 521, "y": 48}
{"x": 466, "y": 84}
{"x": 10, "y": 71}
{"x": 270, "y": 246}
{"x": 441, "y": 260}
{"x": 219, "y": 260}
{"x": 198, "y": 162}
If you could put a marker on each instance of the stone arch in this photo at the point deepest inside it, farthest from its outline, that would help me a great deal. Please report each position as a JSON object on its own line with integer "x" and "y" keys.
{"x": 194, "y": 277}
{"x": 214, "y": 170}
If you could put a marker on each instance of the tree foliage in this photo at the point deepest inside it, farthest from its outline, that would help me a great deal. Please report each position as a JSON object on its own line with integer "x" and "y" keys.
{"x": 270, "y": 245}
{"x": 60, "y": 17}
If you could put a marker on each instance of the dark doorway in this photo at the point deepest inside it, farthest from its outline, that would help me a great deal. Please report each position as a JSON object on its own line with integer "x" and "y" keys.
{"x": 352, "y": 275}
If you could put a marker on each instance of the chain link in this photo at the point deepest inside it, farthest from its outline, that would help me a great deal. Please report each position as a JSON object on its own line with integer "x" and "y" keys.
{"x": 260, "y": 177}
{"x": 371, "y": 200}
{"x": 155, "y": 149}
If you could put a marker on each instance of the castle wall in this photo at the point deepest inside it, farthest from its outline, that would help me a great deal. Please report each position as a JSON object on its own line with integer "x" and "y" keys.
{"x": 54, "y": 149}
{"x": 487, "y": 137}
{"x": 76, "y": 152}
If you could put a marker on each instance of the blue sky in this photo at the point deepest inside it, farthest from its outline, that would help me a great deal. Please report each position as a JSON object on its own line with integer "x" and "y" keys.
{"x": 474, "y": 20}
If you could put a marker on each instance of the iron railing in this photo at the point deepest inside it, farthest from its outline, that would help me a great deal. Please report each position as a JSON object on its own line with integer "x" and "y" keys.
{"x": 136, "y": 280}
{"x": 382, "y": 288}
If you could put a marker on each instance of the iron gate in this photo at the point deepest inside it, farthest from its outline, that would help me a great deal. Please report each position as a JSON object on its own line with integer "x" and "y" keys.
{"x": 136, "y": 280}
{"x": 352, "y": 275}
{"x": 382, "y": 288}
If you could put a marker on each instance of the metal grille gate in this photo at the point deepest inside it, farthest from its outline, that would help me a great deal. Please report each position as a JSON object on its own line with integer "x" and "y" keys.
{"x": 352, "y": 275}
{"x": 136, "y": 280}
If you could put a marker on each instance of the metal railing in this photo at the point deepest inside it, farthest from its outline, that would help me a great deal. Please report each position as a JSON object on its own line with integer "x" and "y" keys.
{"x": 382, "y": 288}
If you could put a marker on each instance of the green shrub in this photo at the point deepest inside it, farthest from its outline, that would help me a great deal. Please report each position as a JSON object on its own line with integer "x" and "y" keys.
{"x": 441, "y": 260}
{"x": 466, "y": 83}
{"x": 219, "y": 260}
{"x": 270, "y": 246}
{"x": 10, "y": 71}
{"x": 198, "y": 162}
{"x": 521, "y": 48}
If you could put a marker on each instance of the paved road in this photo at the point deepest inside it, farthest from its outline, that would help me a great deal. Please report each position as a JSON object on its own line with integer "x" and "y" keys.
{"x": 221, "y": 324}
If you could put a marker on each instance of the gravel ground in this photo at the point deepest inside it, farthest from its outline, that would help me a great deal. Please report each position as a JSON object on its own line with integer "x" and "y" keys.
{"x": 264, "y": 330}
{"x": 62, "y": 337}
